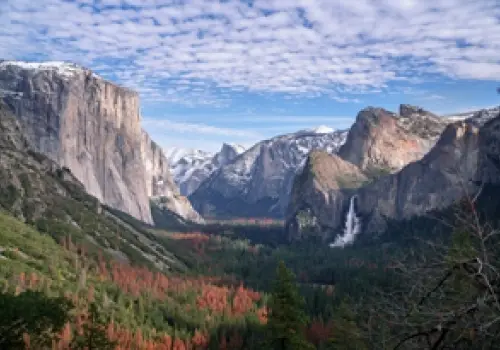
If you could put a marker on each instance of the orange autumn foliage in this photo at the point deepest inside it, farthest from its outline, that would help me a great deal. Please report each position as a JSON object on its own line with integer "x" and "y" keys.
{"x": 318, "y": 332}
{"x": 233, "y": 300}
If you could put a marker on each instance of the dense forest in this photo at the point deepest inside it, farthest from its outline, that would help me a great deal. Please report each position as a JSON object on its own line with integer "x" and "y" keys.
{"x": 426, "y": 283}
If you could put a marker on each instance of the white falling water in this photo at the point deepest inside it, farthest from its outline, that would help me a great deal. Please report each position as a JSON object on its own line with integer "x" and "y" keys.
{"x": 352, "y": 227}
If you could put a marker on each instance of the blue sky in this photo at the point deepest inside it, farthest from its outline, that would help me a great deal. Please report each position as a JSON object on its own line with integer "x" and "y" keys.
{"x": 239, "y": 71}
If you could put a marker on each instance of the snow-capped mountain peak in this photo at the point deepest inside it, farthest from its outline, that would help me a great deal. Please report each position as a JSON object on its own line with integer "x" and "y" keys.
{"x": 63, "y": 69}
{"x": 190, "y": 167}
{"x": 323, "y": 129}
{"x": 320, "y": 130}
{"x": 175, "y": 154}
{"x": 263, "y": 174}
{"x": 236, "y": 147}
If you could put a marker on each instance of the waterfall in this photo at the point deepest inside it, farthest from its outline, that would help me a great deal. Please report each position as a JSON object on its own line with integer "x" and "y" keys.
{"x": 352, "y": 227}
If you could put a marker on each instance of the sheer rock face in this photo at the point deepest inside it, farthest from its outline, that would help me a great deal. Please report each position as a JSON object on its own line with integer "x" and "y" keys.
{"x": 466, "y": 153}
{"x": 161, "y": 188}
{"x": 489, "y": 144}
{"x": 36, "y": 190}
{"x": 384, "y": 141}
{"x": 159, "y": 182}
{"x": 443, "y": 176}
{"x": 29, "y": 181}
{"x": 453, "y": 168}
{"x": 88, "y": 125}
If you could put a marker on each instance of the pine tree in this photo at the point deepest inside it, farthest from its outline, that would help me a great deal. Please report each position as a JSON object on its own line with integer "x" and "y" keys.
{"x": 287, "y": 318}
{"x": 34, "y": 314}
{"x": 346, "y": 333}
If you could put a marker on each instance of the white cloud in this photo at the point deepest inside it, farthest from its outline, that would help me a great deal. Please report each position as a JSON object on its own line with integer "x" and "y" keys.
{"x": 294, "y": 121}
{"x": 250, "y": 130}
{"x": 454, "y": 110}
{"x": 169, "y": 134}
{"x": 352, "y": 46}
{"x": 172, "y": 141}
{"x": 195, "y": 128}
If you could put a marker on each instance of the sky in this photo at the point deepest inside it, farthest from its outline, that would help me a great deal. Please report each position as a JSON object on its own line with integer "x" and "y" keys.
{"x": 213, "y": 71}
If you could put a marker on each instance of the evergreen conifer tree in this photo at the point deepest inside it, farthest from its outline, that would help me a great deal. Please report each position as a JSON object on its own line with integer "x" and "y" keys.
{"x": 346, "y": 333}
{"x": 287, "y": 318}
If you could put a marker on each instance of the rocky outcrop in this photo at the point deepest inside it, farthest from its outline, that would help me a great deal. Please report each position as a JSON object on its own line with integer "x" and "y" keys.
{"x": 159, "y": 180}
{"x": 315, "y": 200}
{"x": 409, "y": 111}
{"x": 174, "y": 206}
{"x": 90, "y": 126}
{"x": 227, "y": 153}
{"x": 258, "y": 182}
{"x": 163, "y": 192}
{"x": 382, "y": 142}
{"x": 465, "y": 154}
{"x": 85, "y": 123}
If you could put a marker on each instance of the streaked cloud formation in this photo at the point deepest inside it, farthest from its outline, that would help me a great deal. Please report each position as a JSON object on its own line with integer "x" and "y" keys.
{"x": 306, "y": 47}
{"x": 192, "y": 128}
{"x": 203, "y": 53}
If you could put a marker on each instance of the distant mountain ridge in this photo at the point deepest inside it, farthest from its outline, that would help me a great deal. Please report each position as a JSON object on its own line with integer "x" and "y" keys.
{"x": 258, "y": 181}
{"x": 190, "y": 167}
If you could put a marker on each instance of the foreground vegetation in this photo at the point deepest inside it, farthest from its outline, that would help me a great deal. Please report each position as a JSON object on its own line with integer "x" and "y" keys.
{"x": 423, "y": 284}
{"x": 144, "y": 307}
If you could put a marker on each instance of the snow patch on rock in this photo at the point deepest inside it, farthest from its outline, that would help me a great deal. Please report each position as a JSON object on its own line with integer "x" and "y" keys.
{"x": 63, "y": 69}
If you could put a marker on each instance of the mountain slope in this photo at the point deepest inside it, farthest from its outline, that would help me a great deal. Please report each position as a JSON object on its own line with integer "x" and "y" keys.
{"x": 191, "y": 167}
{"x": 38, "y": 191}
{"x": 322, "y": 174}
{"x": 258, "y": 182}
{"x": 141, "y": 308}
{"x": 90, "y": 126}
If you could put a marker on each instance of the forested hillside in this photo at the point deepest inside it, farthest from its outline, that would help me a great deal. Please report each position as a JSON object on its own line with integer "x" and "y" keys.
{"x": 422, "y": 279}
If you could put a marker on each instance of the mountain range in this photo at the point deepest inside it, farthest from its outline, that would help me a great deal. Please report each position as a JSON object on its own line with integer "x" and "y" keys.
{"x": 191, "y": 167}
{"x": 386, "y": 166}
{"x": 258, "y": 182}
{"x": 464, "y": 157}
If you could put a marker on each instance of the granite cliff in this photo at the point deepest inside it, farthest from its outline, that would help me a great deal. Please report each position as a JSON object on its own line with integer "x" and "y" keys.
{"x": 314, "y": 189}
{"x": 465, "y": 154}
{"x": 489, "y": 145}
{"x": 38, "y": 191}
{"x": 163, "y": 192}
{"x": 383, "y": 142}
{"x": 90, "y": 126}
{"x": 259, "y": 181}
